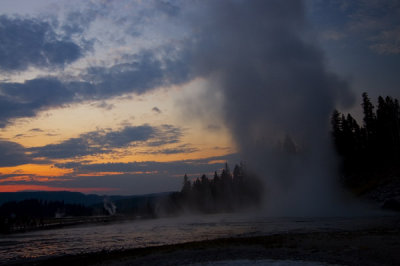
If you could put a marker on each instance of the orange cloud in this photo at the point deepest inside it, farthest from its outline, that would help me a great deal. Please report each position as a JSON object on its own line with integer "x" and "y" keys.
{"x": 28, "y": 178}
{"x": 91, "y": 174}
{"x": 98, "y": 174}
{"x": 35, "y": 169}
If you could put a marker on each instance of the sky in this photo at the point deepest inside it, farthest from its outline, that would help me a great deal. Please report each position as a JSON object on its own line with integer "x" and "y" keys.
{"x": 125, "y": 97}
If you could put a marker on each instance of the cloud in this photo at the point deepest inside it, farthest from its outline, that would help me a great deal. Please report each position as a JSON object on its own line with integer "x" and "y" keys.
{"x": 374, "y": 22}
{"x": 33, "y": 42}
{"x": 105, "y": 105}
{"x": 167, "y": 7}
{"x": 377, "y": 22}
{"x": 12, "y": 154}
{"x": 213, "y": 127}
{"x": 104, "y": 141}
{"x": 387, "y": 42}
{"x": 92, "y": 143}
{"x": 70, "y": 148}
{"x": 145, "y": 72}
{"x": 156, "y": 110}
{"x": 26, "y": 99}
{"x": 16, "y": 178}
{"x": 36, "y": 130}
{"x": 31, "y": 133}
{"x": 200, "y": 166}
{"x": 77, "y": 22}
{"x": 185, "y": 148}
{"x": 119, "y": 139}
{"x": 333, "y": 35}
{"x": 166, "y": 134}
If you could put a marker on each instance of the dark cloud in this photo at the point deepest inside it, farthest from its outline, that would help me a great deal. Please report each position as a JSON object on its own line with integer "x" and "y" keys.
{"x": 105, "y": 105}
{"x": 26, "y": 99}
{"x": 70, "y": 148}
{"x": 77, "y": 22}
{"x": 36, "y": 130}
{"x": 52, "y": 134}
{"x": 119, "y": 139}
{"x": 33, "y": 130}
{"x": 373, "y": 24}
{"x": 185, "y": 148}
{"x": 156, "y": 110}
{"x": 104, "y": 141}
{"x": 378, "y": 22}
{"x": 144, "y": 73}
{"x": 167, "y": 7}
{"x": 37, "y": 92}
{"x": 12, "y": 154}
{"x": 360, "y": 40}
{"x": 33, "y": 42}
{"x": 166, "y": 134}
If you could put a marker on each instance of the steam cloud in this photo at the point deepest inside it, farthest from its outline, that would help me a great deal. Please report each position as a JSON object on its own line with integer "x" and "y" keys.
{"x": 278, "y": 96}
{"x": 109, "y": 206}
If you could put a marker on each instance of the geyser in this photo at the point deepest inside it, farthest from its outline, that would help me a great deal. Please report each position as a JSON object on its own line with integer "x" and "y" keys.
{"x": 278, "y": 97}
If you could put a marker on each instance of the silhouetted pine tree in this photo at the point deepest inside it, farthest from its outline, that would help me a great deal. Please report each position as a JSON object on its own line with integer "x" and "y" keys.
{"x": 388, "y": 128}
{"x": 187, "y": 186}
{"x": 225, "y": 192}
{"x": 372, "y": 149}
{"x": 369, "y": 118}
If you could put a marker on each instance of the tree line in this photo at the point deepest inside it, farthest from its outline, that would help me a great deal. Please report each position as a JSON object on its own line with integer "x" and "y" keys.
{"x": 225, "y": 192}
{"x": 372, "y": 148}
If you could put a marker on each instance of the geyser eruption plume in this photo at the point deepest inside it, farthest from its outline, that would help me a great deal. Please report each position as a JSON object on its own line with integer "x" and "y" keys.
{"x": 109, "y": 206}
{"x": 278, "y": 97}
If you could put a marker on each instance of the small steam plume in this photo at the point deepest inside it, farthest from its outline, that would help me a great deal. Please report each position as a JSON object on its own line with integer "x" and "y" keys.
{"x": 278, "y": 97}
{"x": 109, "y": 206}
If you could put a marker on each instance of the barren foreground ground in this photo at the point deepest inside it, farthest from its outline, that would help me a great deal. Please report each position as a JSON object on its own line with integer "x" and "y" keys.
{"x": 375, "y": 246}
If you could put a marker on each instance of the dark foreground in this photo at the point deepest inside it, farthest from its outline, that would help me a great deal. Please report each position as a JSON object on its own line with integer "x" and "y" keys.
{"x": 375, "y": 246}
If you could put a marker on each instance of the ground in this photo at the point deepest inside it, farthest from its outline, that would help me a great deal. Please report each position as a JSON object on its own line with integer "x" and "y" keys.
{"x": 375, "y": 246}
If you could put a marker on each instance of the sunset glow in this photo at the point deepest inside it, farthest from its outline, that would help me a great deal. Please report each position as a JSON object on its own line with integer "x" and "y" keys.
{"x": 121, "y": 95}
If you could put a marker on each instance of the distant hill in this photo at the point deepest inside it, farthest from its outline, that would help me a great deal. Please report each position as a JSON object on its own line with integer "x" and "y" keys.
{"x": 66, "y": 196}
{"x": 70, "y": 197}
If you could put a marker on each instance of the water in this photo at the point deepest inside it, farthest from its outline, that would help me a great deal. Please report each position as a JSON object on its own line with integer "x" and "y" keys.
{"x": 145, "y": 233}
